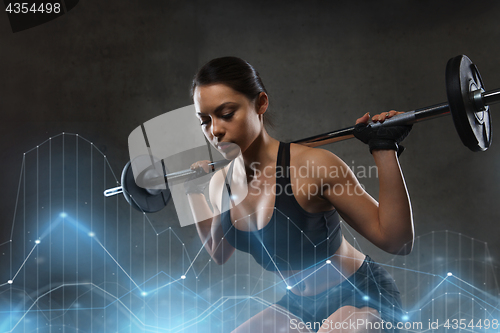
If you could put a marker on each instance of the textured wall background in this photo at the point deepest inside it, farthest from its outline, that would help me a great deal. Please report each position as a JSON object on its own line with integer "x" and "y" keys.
{"x": 107, "y": 66}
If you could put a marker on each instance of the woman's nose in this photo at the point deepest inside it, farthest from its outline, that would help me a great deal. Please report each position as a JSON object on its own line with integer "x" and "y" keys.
{"x": 217, "y": 128}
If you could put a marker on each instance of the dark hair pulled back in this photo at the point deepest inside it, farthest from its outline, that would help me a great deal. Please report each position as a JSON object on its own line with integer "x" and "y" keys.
{"x": 235, "y": 73}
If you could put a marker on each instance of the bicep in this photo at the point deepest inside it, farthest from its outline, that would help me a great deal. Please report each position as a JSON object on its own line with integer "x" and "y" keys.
{"x": 221, "y": 250}
{"x": 358, "y": 208}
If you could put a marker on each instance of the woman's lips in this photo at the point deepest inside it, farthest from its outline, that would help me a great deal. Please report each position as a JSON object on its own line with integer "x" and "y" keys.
{"x": 228, "y": 149}
{"x": 224, "y": 146}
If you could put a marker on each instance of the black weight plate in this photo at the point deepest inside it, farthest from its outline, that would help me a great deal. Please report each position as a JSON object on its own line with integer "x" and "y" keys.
{"x": 473, "y": 125}
{"x": 140, "y": 198}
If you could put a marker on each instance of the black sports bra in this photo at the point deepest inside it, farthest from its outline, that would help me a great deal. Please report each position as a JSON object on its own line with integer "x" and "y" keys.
{"x": 294, "y": 239}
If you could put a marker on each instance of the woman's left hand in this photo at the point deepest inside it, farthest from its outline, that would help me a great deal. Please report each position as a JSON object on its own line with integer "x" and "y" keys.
{"x": 387, "y": 138}
{"x": 378, "y": 117}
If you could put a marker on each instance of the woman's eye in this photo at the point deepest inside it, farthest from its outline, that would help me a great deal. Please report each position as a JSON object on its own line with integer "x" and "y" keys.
{"x": 228, "y": 116}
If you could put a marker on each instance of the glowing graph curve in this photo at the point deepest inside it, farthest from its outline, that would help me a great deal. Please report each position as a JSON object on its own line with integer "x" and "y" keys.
{"x": 80, "y": 262}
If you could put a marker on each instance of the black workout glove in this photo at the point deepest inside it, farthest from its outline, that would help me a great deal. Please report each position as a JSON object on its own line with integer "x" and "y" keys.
{"x": 382, "y": 138}
{"x": 197, "y": 182}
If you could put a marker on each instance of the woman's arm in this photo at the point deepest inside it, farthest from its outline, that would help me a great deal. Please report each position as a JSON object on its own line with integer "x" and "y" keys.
{"x": 394, "y": 213}
{"x": 388, "y": 223}
{"x": 209, "y": 228}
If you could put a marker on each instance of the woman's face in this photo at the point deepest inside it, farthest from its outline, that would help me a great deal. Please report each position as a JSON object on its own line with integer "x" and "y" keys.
{"x": 229, "y": 120}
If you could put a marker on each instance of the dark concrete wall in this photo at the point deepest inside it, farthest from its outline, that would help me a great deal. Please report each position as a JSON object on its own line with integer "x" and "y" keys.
{"x": 107, "y": 66}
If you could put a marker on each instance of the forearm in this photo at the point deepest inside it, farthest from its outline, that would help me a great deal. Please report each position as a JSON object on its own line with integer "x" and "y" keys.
{"x": 209, "y": 229}
{"x": 394, "y": 213}
{"x": 203, "y": 217}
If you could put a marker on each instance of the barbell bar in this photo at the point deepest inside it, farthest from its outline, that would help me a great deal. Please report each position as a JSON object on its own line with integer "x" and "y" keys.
{"x": 468, "y": 103}
{"x": 463, "y": 103}
{"x": 173, "y": 178}
{"x": 408, "y": 118}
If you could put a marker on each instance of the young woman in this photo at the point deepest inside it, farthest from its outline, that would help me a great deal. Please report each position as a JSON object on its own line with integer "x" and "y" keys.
{"x": 287, "y": 217}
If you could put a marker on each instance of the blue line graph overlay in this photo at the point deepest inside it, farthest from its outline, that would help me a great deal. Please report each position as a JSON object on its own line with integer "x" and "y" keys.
{"x": 79, "y": 262}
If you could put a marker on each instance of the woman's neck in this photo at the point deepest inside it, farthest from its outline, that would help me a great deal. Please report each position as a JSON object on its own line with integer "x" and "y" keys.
{"x": 261, "y": 153}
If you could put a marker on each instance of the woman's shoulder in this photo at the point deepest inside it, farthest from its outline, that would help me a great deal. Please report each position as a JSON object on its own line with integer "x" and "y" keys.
{"x": 309, "y": 156}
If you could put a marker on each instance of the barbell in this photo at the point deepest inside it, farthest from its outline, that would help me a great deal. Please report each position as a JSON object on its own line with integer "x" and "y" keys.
{"x": 468, "y": 103}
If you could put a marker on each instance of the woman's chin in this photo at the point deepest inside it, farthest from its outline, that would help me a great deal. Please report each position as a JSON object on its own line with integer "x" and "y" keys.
{"x": 232, "y": 153}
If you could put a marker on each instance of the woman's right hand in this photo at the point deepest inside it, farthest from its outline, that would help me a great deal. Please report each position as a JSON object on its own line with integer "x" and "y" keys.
{"x": 201, "y": 164}
{"x": 197, "y": 182}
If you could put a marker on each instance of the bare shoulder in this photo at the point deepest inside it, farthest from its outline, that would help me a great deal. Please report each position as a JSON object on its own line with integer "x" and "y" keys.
{"x": 308, "y": 156}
